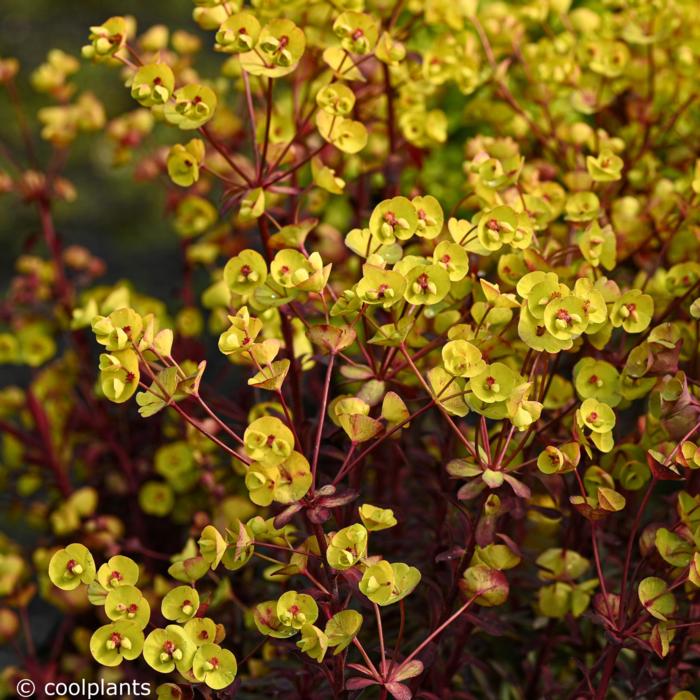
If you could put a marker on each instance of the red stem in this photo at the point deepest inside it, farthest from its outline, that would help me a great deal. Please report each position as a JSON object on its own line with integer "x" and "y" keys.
{"x": 322, "y": 418}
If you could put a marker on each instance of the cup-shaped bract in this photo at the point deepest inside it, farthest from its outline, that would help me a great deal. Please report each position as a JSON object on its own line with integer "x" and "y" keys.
{"x": 347, "y": 547}
{"x": 153, "y": 84}
{"x": 118, "y": 571}
{"x": 238, "y": 34}
{"x": 70, "y": 567}
{"x": 180, "y": 604}
{"x": 214, "y": 666}
{"x": 296, "y": 610}
{"x": 127, "y": 603}
{"x": 112, "y": 643}
{"x": 193, "y": 106}
{"x": 168, "y": 649}
{"x": 342, "y": 628}
{"x": 268, "y": 440}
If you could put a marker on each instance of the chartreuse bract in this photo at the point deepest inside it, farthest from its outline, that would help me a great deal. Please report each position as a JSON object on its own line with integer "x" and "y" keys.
{"x": 398, "y": 422}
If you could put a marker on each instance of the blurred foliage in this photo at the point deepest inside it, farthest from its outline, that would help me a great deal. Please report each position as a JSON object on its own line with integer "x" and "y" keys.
{"x": 28, "y": 29}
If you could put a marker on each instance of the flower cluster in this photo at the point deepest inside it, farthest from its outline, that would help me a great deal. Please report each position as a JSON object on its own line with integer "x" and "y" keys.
{"x": 423, "y": 418}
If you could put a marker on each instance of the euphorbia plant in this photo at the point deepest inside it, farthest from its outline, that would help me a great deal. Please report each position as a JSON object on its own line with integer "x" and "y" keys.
{"x": 404, "y": 431}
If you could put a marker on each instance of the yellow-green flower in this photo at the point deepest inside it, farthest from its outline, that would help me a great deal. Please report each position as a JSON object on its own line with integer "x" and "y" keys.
{"x": 214, "y": 666}
{"x": 246, "y": 271}
{"x": 497, "y": 227}
{"x": 168, "y": 649}
{"x": 379, "y": 286}
{"x": 184, "y": 161}
{"x": 336, "y": 99}
{"x": 268, "y": 440}
{"x": 292, "y": 270}
{"x": 296, "y": 609}
{"x": 358, "y": 32}
{"x": 347, "y": 547}
{"x": 194, "y": 215}
{"x": 427, "y": 284}
{"x": 633, "y": 311}
{"x": 116, "y": 331}
{"x": 201, "y": 630}
{"x": 313, "y": 642}
{"x": 153, "y": 84}
{"x": 241, "y": 335}
{"x": 582, "y": 206}
{"x": 566, "y": 318}
{"x": 375, "y": 519}
{"x": 127, "y": 603}
{"x": 393, "y": 219}
{"x": 597, "y": 379}
{"x": 111, "y": 644}
{"x": 238, "y": 34}
{"x": 599, "y": 418}
{"x": 596, "y": 416}
{"x": 598, "y": 245}
{"x": 430, "y": 216}
{"x": 607, "y": 167}
{"x": 119, "y": 375}
{"x": 118, "y": 571}
{"x": 462, "y": 359}
{"x": 384, "y": 583}
{"x": 342, "y": 628}
{"x": 268, "y": 623}
{"x": 293, "y": 480}
{"x": 106, "y": 39}
{"x": 193, "y": 107}
{"x": 453, "y": 258}
{"x": 494, "y": 383}
{"x": 72, "y": 566}
{"x": 279, "y": 47}
{"x": 260, "y": 480}
{"x": 212, "y": 545}
{"x": 180, "y": 604}
{"x": 377, "y": 582}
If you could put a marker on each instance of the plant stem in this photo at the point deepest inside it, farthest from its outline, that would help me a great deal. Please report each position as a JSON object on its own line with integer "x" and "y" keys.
{"x": 380, "y": 630}
{"x": 608, "y": 670}
{"x": 322, "y": 419}
{"x": 444, "y": 625}
{"x": 462, "y": 438}
{"x": 266, "y": 138}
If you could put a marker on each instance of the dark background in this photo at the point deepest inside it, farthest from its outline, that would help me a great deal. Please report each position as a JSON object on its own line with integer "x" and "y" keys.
{"x": 116, "y": 219}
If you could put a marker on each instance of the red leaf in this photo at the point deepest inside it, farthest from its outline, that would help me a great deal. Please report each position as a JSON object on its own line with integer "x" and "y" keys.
{"x": 408, "y": 670}
{"x": 286, "y": 515}
{"x": 661, "y": 471}
{"x": 518, "y": 487}
{"x": 399, "y": 691}
{"x": 471, "y": 490}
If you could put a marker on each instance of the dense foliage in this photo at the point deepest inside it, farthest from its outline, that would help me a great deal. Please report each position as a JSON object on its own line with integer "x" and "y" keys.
{"x": 421, "y": 418}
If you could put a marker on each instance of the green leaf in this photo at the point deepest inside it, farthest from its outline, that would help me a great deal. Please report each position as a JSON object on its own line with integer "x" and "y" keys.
{"x": 159, "y": 394}
{"x": 656, "y": 598}
{"x": 342, "y": 628}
